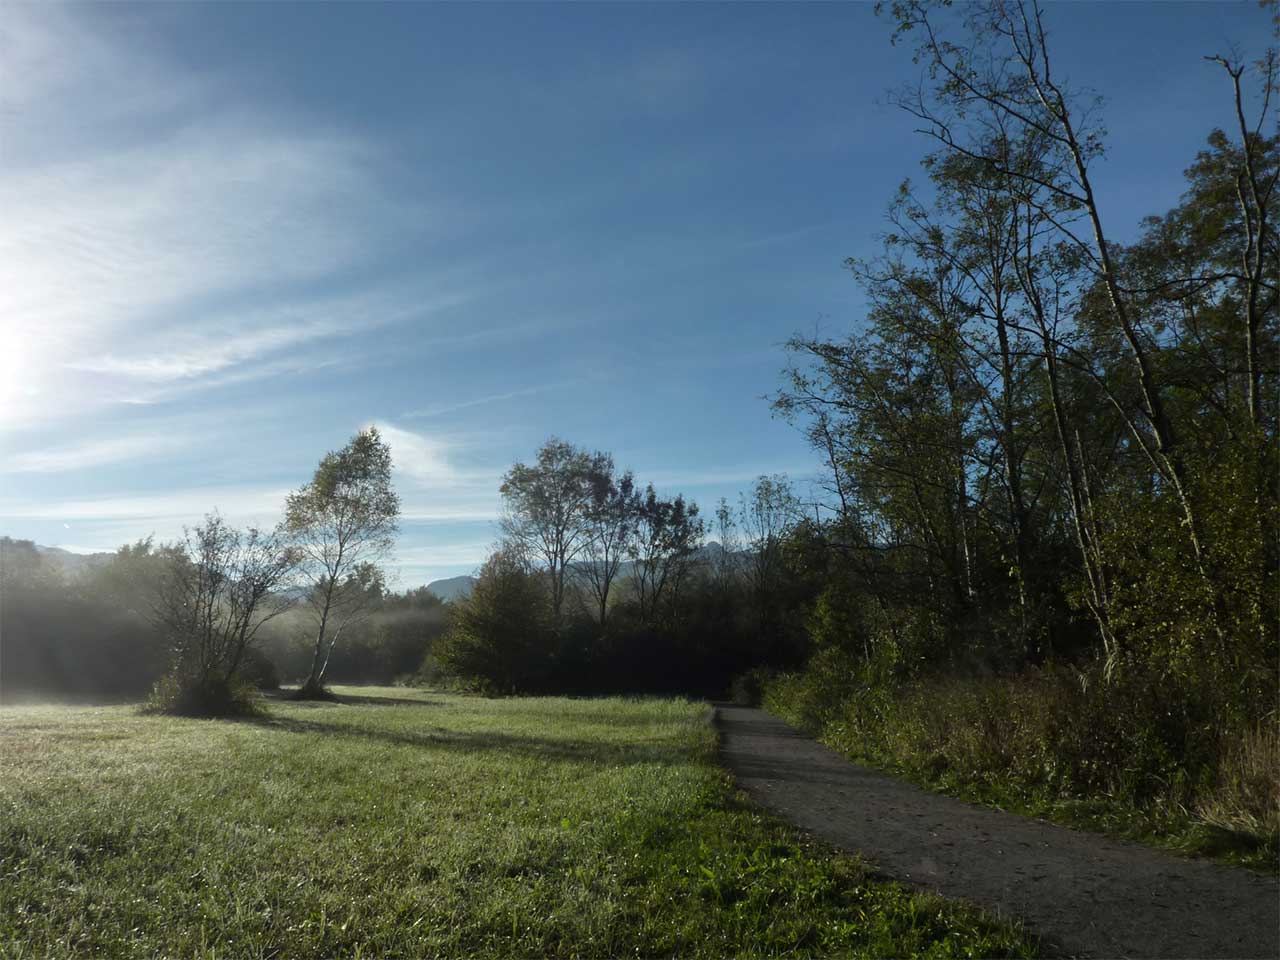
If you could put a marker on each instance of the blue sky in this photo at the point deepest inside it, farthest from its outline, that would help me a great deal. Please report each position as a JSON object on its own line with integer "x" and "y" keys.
{"x": 234, "y": 234}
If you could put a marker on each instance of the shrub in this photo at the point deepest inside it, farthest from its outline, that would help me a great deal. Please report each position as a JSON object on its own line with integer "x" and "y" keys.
{"x": 212, "y": 697}
{"x": 500, "y": 639}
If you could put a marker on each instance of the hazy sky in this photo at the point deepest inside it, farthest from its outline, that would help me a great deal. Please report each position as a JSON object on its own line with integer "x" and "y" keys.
{"x": 232, "y": 235}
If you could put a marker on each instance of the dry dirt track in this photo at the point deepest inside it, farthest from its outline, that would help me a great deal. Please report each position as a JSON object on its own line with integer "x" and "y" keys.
{"x": 1084, "y": 894}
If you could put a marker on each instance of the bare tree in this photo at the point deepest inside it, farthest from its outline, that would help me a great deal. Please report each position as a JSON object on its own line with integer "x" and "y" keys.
{"x": 725, "y": 569}
{"x": 1255, "y": 187}
{"x": 220, "y": 585}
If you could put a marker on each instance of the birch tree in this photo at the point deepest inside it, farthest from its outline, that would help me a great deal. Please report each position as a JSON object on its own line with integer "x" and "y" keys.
{"x": 344, "y": 524}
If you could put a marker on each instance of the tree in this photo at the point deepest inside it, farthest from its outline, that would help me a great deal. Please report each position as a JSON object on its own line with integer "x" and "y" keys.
{"x": 667, "y": 535}
{"x": 218, "y": 587}
{"x": 344, "y": 524}
{"x": 1035, "y": 419}
{"x": 767, "y": 514}
{"x": 82, "y": 630}
{"x": 611, "y": 524}
{"x": 1001, "y": 87}
{"x": 549, "y": 507}
{"x": 726, "y": 563}
{"x": 501, "y": 637}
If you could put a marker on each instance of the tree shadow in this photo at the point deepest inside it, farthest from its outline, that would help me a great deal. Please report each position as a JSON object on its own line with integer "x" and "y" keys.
{"x": 354, "y": 699}
{"x": 585, "y": 752}
{"x": 349, "y": 699}
{"x": 596, "y": 710}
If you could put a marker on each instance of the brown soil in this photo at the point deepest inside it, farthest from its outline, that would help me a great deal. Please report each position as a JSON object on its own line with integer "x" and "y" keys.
{"x": 1084, "y": 894}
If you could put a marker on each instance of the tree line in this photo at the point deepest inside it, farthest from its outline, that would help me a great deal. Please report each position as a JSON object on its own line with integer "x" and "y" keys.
{"x": 1044, "y": 446}
{"x": 598, "y": 585}
{"x": 192, "y": 617}
{"x": 1049, "y": 566}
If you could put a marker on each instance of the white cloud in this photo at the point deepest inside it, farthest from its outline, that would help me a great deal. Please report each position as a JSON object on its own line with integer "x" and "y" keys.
{"x": 434, "y": 489}
{"x": 189, "y": 505}
{"x": 445, "y": 555}
{"x": 421, "y": 459}
{"x": 91, "y": 453}
{"x": 206, "y": 358}
{"x": 52, "y": 56}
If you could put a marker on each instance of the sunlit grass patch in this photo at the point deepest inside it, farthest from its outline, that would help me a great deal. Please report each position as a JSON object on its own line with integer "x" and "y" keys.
{"x": 418, "y": 824}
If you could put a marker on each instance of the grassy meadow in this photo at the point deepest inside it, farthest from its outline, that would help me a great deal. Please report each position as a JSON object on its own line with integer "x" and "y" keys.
{"x": 421, "y": 824}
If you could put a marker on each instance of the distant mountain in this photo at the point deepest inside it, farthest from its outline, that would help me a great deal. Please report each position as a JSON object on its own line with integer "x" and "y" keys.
{"x": 72, "y": 564}
{"x": 455, "y": 588}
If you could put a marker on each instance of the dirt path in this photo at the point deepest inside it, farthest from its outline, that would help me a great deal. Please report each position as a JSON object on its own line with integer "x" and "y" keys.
{"x": 1084, "y": 894}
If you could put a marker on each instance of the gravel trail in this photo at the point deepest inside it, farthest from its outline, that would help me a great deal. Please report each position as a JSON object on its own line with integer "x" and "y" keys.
{"x": 1084, "y": 894}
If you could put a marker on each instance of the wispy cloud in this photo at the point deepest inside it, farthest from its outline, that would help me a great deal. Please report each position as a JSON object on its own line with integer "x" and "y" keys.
{"x": 129, "y": 252}
{"x": 454, "y": 406}
{"x": 185, "y": 506}
{"x": 742, "y": 476}
{"x": 446, "y": 555}
{"x": 451, "y": 510}
{"x": 91, "y": 453}
{"x": 204, "y": 358}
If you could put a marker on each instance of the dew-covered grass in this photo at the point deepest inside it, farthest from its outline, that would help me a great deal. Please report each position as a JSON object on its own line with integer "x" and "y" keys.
{"x": 408, "y": 823}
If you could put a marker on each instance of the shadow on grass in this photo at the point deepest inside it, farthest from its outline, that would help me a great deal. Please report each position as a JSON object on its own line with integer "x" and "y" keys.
{"x": 590, "y": 752}
{"x": 338, "y": 699}
{"x": 357, "y": 699}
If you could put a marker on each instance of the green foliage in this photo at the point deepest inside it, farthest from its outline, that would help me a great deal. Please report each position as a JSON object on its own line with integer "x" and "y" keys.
{"x": 343, "y": 524}
{"x": 502, "y": 637}
{"x": 398, "y": 823}
{"x": 350, "y": 492}
{"x": 666, "y": 533}
{"x": 215, "y": 590}
{"x": 550, "y": 507}
{"x": 601, "y": 586}
{"x": 1051, "y": 566}
{"x": 259, "y": 670}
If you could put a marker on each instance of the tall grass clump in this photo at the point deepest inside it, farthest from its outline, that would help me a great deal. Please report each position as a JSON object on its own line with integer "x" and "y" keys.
{"x": 1128, "y": 755}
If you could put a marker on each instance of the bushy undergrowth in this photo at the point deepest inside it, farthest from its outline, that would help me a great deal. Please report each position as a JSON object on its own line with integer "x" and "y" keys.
{"x": 1132, "y": 756}
{"x": 181, "y": 696}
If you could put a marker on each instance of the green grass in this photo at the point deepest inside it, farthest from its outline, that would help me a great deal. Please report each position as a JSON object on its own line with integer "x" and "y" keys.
{"x": 416, "y": 824}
